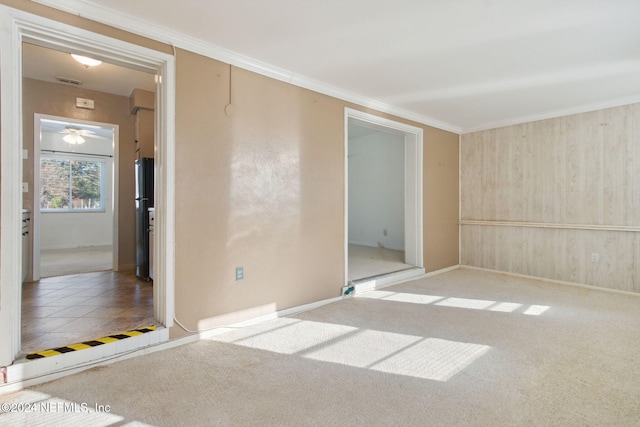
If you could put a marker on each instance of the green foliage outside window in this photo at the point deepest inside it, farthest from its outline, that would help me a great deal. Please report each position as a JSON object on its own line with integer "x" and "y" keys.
{"x": 69, "y": 184}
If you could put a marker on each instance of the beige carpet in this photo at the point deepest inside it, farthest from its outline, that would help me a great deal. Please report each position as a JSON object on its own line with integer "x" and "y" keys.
{"x": 62, "y": 262}
{"x": 367, "y": 261}
{"x": 461, "y": 348}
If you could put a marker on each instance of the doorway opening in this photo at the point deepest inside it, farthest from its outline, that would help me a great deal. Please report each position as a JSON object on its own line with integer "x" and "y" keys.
{"x": 383, "y": 237}
{"x": 74, "y": 197}
{"x": 75, "y": 293}
{"x": 24, "y": 28}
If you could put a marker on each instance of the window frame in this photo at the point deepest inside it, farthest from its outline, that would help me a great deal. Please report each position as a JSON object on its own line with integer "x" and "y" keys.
{"x": 70, "y": 158}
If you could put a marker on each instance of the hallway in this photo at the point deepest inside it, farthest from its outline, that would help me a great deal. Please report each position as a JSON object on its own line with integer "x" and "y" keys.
{"x": 58, "y": 311}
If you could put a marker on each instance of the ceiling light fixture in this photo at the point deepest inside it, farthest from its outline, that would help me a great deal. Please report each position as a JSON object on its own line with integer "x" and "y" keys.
{"x": 86, "y": 61}
{"x": 74, "y": 135}
{"x": 73, "y": 138}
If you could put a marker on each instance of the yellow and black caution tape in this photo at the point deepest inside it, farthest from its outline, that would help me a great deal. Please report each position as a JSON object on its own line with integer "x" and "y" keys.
{"x": 88, "y": 344}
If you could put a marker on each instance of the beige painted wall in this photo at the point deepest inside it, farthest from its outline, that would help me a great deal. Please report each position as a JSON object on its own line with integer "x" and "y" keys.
{"x": 579, "y": 173}
{"x": 263, "y": 188}
{"x": 59, "y": 100}
{"x": 441, "y": 191}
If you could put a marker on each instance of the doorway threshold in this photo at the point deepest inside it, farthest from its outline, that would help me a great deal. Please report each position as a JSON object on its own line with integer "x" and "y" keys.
{"x": 24, "y": 373}
{"x": 383, "y": 280}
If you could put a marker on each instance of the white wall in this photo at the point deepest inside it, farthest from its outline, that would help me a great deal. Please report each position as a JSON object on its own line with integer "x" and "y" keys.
{"x": 74, "y": 230}
{"x": 79, "y": 229}
{"x": 376, "y": 189}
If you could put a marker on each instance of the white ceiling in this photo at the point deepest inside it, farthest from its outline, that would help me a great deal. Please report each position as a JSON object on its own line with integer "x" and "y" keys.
{"x": 462, "y": 64}
{"x": 47, "y": 64}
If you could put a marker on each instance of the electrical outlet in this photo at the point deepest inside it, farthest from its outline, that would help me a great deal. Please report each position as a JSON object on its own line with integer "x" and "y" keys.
{"x": 595, "y": 257}
{"x": 239, "y": 273}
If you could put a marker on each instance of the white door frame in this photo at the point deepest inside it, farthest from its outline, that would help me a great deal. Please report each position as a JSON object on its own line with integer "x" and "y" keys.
{"x": 413, "y": 183}
{"x": 115, "y": 191}
{"x": 17, "y": 27}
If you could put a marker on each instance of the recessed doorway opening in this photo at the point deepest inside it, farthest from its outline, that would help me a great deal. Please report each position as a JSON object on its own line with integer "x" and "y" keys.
{"x": 75, "y": 293}
{"x": 383, "y": 221}
{"x": 73, "y": 221}
{"x": 21, "y": 28}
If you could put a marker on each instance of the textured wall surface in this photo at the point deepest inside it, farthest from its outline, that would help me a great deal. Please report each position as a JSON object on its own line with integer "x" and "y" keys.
{"x": 540, "y": 198}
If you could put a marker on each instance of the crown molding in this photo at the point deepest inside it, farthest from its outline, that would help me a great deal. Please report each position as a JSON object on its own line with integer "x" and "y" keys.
{"x": 127, "y": 23}
{"x": 585, "y": 108}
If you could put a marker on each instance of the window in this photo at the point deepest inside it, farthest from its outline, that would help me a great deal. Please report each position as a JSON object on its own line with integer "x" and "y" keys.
{"x": 70, "y": 184}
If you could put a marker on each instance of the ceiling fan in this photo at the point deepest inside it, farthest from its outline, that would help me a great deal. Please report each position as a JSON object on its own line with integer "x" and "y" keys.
{"x": 75, "y": 135}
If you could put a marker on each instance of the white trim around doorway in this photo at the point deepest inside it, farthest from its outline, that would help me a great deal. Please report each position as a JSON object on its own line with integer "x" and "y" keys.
{"x": 413, "y": 190}
{"x": 17, "y": 27}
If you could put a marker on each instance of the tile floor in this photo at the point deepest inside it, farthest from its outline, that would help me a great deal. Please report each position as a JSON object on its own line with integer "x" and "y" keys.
{"x": 57, "y": 311}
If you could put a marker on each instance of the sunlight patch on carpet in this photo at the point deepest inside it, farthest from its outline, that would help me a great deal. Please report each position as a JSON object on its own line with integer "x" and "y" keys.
{"x": 475, "y": 304}
{"x": 536, "y": 310}
{"x": 287, "y": 336}
{"x": 432, "y": 359}
{"x": 413, "y": 356}
{"x": 457, "y": 302}
{"x": 394, "y": 353}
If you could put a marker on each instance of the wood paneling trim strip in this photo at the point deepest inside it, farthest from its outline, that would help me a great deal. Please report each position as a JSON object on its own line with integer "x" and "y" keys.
{"x": 630, "y": 228}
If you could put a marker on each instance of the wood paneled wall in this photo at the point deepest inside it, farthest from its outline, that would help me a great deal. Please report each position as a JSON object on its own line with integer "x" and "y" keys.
{"x": 540, "y": 198}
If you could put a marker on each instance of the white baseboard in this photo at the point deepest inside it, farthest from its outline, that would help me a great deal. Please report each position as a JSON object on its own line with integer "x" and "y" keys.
{"x": 395, "y": 279}
{"x": 271, "y": 316}
{"x": 558, "y": 282}
{"x": 383, "y": 281}
{"x": 442, "y": 270}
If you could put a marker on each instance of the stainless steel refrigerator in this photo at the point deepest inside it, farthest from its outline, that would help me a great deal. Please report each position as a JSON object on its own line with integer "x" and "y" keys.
{"x": 144, "y": 200}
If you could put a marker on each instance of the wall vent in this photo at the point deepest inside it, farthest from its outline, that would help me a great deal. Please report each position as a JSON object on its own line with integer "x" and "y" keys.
{"x": 68, "y": 81}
